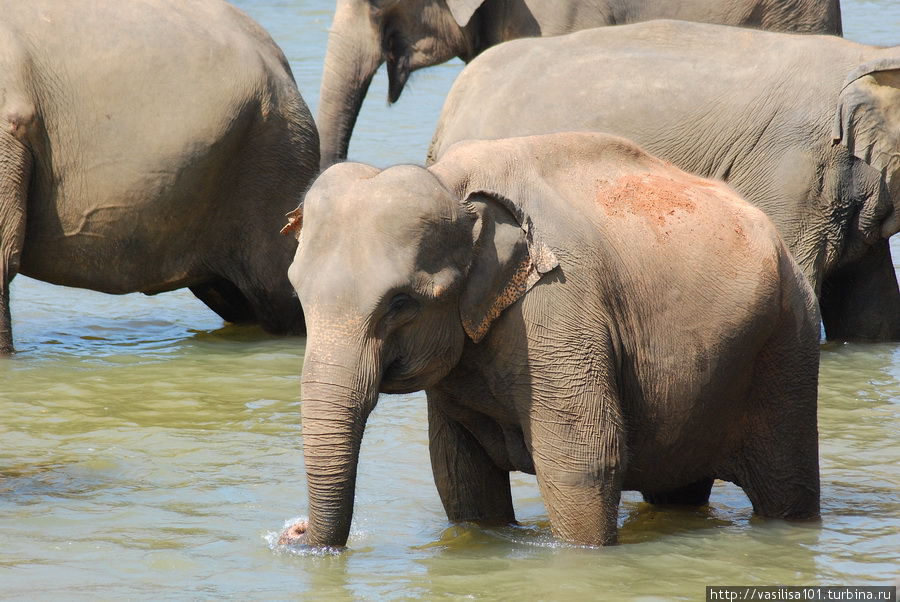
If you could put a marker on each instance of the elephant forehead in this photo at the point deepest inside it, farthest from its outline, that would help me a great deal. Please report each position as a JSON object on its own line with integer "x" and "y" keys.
{"x": 406, "y": 193}
{"x": 351, "y": 268}
{"x": 400, "y": 197}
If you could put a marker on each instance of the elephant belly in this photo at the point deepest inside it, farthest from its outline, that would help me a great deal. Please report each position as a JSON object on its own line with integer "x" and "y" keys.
{"x": 140, "y": 242}
{"x": 110, "y": 266}
{"x": 657, "y": 474}
{"x": 121, "y": 224}
{"x": 672, "y": 451}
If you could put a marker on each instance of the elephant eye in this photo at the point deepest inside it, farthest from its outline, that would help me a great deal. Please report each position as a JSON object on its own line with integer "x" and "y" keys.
{"x": 401, "y": 308}
{"x": 400, "y": 302}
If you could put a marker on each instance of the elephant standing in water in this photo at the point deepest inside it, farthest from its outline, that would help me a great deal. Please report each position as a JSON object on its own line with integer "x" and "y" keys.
{"x": 550, "y": 296}
{"x": 414, "y": 34}
{"x": 805, "y": 127}
{"x": 148, "y": 146}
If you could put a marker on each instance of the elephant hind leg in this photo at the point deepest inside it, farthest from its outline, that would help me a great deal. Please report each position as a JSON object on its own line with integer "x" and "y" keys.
{"x": 224, "y": 298}
{"x": 692, "y": 494}
{"x": 15, "y": 175}
{"x": 777, "y": 464}
{"x": 780, "y": 492}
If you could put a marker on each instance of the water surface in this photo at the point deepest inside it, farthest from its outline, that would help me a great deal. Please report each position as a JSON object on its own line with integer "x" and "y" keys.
{"x": 152, "y": 452}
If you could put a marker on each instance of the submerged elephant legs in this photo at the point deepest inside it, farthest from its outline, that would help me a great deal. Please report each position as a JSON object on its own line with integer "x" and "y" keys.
{"x": 225, "y": 299}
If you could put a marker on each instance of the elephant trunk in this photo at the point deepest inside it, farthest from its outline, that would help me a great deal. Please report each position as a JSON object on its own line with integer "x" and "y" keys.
{"x": 336, "y": 401}
{"x": 353, "y": 56}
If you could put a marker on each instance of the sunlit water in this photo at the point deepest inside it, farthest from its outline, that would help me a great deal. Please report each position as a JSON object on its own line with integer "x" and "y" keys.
{"x": 148, "y": 451}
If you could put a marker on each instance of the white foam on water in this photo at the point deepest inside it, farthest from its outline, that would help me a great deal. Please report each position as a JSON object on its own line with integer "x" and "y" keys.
{"x": 271, "y": 538}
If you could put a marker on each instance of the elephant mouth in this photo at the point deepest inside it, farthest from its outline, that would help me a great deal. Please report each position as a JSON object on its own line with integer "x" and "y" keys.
{"x": 400, "y": 387}
{"x": 398, "y": 379}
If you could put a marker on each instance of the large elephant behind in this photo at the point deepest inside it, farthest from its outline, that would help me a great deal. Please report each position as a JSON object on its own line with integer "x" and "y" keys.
{"x": 148, "y": 146}
{"x": 549, "y": 295}
{"x": 805, "y": 127}
{"x": 414, "y": 34}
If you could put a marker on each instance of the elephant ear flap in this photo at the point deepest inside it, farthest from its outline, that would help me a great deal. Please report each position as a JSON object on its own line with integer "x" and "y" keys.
{"x": 509, "y": 258}
{"x": 462, "y": 10}
{"x": 867, "y": 120}
{"x": 867, "y": 124}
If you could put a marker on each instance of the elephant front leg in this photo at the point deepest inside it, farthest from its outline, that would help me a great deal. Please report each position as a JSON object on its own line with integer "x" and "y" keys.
{"x": 861, "y": 301}
{"x": 471, "y": 486}
{"x": 579, "y": 455}
{"x": 15, "y": 172}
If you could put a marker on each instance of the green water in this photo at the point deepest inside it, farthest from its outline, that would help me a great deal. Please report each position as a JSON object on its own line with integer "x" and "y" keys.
{"x": 150, "y": 452}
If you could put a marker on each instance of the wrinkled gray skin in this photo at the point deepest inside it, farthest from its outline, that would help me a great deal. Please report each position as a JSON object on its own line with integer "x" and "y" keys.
{"x": 549, "y": 296}
{"x": 805, "y": 127}
{"x": 414, "y": 34}
{"x": 148, "y": 146}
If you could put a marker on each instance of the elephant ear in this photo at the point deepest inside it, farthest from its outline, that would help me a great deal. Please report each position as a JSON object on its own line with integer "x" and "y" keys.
{"x": 867, "y": 123}
{"x": 517, "y": 188}
{"x": 462, "y": 10}
{"x": 509, "y": 258}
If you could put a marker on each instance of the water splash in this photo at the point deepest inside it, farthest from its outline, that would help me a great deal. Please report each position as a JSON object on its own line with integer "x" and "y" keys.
{"x": 272, "y": 540}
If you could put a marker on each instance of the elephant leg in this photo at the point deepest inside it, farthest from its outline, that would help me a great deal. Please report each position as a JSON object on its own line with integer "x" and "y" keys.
{"x": 471, "y": 486}
{"x": 693, "y": 494}
{"x": 861, "y": 301}
{"x": 777, "y": 487}
{"x": 15, "y": 174}
{"x": 579, "y": 457}
{"x": 225, "y": 299}
{"x": 777, "y": 464}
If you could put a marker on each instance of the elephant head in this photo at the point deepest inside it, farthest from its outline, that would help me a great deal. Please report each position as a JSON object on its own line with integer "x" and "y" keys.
{"x": 860, "y": 298}
{"x": 407, "y": 35}
{"x": 394, "y": 269}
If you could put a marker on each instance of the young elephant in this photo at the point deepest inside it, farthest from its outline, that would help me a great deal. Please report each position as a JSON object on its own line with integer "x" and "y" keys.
{"x": 807, "y": 128}
{"x": 148, "y": 146}
{"x": 550, "y": 295}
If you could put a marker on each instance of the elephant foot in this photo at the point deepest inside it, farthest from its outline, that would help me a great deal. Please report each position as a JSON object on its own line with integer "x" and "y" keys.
{"x": 295, "y": 534}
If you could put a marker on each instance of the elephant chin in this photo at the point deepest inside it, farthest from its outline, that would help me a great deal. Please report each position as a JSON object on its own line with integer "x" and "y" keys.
{"x": 400, "y": 387}
{"x": 397, "y": 383}
{"x": 295, "y": 534}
